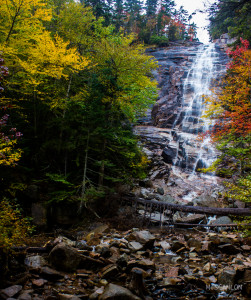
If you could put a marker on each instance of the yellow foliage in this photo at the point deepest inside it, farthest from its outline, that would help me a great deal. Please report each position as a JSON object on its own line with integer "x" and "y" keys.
{"x": 52, "y": 58}
{"x": 13, "y": 228}
{"x": 9, "y": 156}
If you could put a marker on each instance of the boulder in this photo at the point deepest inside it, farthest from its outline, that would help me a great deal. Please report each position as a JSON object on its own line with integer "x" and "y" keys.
{"x": 144, "y": 237}
{"x": 10, "y": 291}
{"x": 227, "y": 277}
{"x": 229, "y": 249}
{"x": 168, "y": 155}
{"x": 25, "y": 295}
{"x": 192, "y": 219}
{"x": 135, "y": 246}
{"x": 64, "y": 257}
{"x": 116, "y": 292}
{"x": 194, "y": 243}
{"x": 51, "y": 274}
{"x": 35, "y": 261}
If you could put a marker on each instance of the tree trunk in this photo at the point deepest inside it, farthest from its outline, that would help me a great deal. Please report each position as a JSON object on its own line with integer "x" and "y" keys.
{"x": 194, "y": 209}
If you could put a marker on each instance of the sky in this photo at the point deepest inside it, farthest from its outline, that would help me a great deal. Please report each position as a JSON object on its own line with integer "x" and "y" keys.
{"x": 199, "y": 19}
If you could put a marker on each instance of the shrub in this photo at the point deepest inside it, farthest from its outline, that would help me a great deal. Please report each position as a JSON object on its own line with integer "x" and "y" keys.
{"x": 161, "y": 41}
{"x": 13, "y": 227}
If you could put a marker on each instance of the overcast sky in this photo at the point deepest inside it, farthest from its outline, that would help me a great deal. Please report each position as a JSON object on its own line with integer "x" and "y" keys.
{"x": 199, "y": 19}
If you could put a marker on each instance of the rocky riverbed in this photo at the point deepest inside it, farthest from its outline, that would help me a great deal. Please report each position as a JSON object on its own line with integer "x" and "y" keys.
{"x": 105, "y": 263}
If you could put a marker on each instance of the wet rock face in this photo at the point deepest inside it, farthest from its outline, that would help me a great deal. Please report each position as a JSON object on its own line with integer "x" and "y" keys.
{"x": 185, "y": 74}
{"x": 174, "y": 66}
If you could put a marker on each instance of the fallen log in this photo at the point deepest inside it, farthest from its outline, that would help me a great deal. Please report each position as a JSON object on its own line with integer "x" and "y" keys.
{"x": 193, "y": 209}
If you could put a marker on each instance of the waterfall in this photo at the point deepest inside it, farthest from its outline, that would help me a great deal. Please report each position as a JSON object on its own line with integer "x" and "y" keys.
{"x": 191, "y": 153}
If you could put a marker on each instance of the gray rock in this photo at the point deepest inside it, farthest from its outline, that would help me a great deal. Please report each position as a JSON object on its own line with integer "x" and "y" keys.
{"x": 194, "y": 243}
{"x": 35, "y": 261}
{"x": 68, "y": 297}
{"x": 229, "y": 249}
{"x": 25, "y": 295}
{"x": 192, "y": 219}
{"x": 160, "y": 190}
{"x": 64, "y": 257}
{"x": 222, "y": 220}
{"x": 10, "y": 291}
{"x": 169, "y": 154}
{"x": 82, "y": 245}
{"x": 227, "y": 277}
{"x": 144, "y": 237}
{"x": 176, "y": 245}
{"x": 207, "y": 201}
{"x": 65, "y": 240}
{"x": 110, "y": 271}
{"x": 169, "y": 199}
{"x": 165, "y": 245}
{"x": 135, "y": 246}
{"x": 51, "y": 274}
{"x": 116, "y": 292}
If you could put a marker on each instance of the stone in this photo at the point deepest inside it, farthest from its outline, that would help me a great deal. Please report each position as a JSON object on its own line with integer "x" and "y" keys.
{"x": 25, "y": 295}
{"x": 82, "y": 245}
{"x": 194, "y": 243}
{"x": 165, "y": 245}
{"x": 116, "y": 292}
{"x": 144, "y": 237}
{"x": 168, "y": 155}
{"x": 145, "y": 264}
{"x": 35, "y": 261}
{"x": 165, "y": 259}
{"x": 10, "y": 291}
{"x": 173, "y": 272}
{"x": 135, "y": 246}
{"x": 176, "y": 245}
{"x": 97, "y": 231}
{"x": 221, "y": 221}
{"x": 207, "y": 201}
{"x": 39, "y": 282}
{"x": 67, "y": 297}
{"x": 192, "y": 219}
{"x": 170, "y": 281}
{"x": 229, "y": 249}
{"x": 65, "y": 240}
{"x": 51, "y": 274}
{"x": 247, "y": 275}
{"x": 64, "y": 257}
{"x": 110, "y": 271}
{"x": 227, "y": 277}
{"x": 122, "y": 261}
{"x": 160, "y": 191}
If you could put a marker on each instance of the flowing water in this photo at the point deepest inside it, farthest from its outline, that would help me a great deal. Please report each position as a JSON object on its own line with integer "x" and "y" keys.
{"x": 191, "y": 153}
{"x": 177, "y": 142}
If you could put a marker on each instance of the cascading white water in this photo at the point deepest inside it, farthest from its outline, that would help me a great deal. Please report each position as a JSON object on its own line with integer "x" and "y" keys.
{"x": 191, "y": 153}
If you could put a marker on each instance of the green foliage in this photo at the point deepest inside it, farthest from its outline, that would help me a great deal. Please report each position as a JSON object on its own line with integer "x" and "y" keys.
{"x": 160, "y": 41}
{"x": 232, "y": 16}
{"x": 241, "y": 190}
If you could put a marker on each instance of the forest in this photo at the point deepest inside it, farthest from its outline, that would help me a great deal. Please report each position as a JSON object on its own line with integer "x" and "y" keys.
{"x": 74, "y": 79}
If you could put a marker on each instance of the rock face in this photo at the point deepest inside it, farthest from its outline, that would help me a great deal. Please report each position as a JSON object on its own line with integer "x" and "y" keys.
{"x": 169, "y": 135}
{"x": 184, "y": 76}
